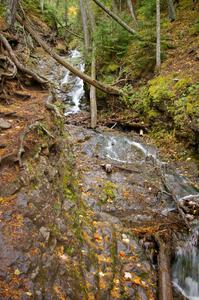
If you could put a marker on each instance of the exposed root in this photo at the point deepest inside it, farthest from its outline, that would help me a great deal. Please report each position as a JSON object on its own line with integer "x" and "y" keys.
{"x": 52, "y": 107}
{"x": 31, "y": 127}
{"x": 9, "y": 66}
{"x": 18, "y": 65}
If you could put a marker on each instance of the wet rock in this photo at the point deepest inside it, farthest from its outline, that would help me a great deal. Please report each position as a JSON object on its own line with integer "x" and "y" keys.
{"x": 45, "y": 233}
{"x": 4, "y": 124}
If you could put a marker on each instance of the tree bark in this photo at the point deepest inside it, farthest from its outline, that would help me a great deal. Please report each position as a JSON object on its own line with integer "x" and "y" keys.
{"x": 171, "y": 10}
{"x": 18, "y": 64}
{"x": 42, "y": 6}
{"x": 130, "y": 5}
{"x": 158, "y": 44}
{"x": 93, "y": 102}
{"x": 103, "y": 87}
{"x": 84, "y": 25}
{"x": 117, "y": 19}
{"x": 93, "y": 97}
{"x": 11, "y": 11}
{"x": 165, "y": 285}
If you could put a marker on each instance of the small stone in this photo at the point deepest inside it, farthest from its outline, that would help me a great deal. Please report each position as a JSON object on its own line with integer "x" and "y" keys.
{"x": 141, "y": 132}
{"x": 17, "y": 272}
{"x": 127, "y": 276}
{"x": 108, "y": 168}
{"x": 101, "y": 274}
{"x": 4, "y": 124}
{"x": 45, "y": 233}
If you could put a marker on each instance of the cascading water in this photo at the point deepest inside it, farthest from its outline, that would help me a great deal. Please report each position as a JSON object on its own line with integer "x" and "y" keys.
{"x": 186, "y": 268}
{"x": 123, "y": 150}
{"x": 76, "y": 93}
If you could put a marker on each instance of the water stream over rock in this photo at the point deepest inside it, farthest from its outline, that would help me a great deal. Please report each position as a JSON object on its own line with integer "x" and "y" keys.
{"x": 132, "y": 194}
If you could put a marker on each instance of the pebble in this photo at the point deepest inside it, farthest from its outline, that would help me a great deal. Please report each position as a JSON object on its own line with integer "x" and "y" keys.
{"x": 4, "y": 124}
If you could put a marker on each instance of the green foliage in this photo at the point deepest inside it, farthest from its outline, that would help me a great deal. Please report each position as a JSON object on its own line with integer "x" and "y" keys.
{"x": 111, "y": 39}
{"x": 194, "y": 29}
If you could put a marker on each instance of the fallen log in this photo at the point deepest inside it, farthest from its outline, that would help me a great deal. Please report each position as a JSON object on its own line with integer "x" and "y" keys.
{"x": 19, "y": 65}
{"x": 101, "y": 86}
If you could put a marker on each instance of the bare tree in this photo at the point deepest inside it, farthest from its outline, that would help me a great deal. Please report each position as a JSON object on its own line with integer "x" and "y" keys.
{"x": 42, "y": 6}
{"x": 85, "y": 25}
{"x": 171, "y": 10}
{"x": 11, "y": 11}
{"x": 130, "y": 5}
{"x": 93, "y": 97}
{"x": 158, "y": 43}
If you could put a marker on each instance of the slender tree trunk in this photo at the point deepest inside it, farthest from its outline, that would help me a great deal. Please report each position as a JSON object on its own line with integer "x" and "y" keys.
{"x": 84, "y": 25}
{"x": 65, "y": 12}
{"x": 103, "y": 87}
{"x": 93, "y": 100}
{"x": 93, "y": 97}
{"x": 116, "y": 18}
{"x": 42, "y": 6}
{"x": 164, "y": 280}
{"x": 158, "y": 43}
{"x": 171, "y": 10}
{"x": 11, "y": 11}
{"x": 130, "y": 5}
{"x": 114, "y": 6}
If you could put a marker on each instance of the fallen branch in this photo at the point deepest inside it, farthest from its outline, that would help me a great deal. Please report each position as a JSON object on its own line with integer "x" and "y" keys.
{"x": 19, "y": 66}
{"x": 103, "y": 87}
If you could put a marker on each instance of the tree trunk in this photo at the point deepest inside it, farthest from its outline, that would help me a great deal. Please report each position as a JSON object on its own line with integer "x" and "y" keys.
{"x": 171, "y": 10}
{"x": 42, "y": 6}
{"x": 164, "y": 274}
{"x": 103, "y": 87}
{"x": 114, "y": 6}
{"x": 130, "y": 5}
{"x": 84, "y": 25}
{"x": 11, "y": 11}
{"x": 117, "y": 19}
{"x": 158, "y": 45}
{"x": 93, "y": 99}
{"x": 93, "y": 102}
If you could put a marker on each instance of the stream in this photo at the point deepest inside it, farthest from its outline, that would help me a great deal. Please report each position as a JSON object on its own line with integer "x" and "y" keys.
{"x": 132, "y": 192}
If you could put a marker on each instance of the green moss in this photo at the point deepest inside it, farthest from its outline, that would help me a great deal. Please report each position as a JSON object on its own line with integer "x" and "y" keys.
{"x": 160, "y": 89}
{"x": 108, "y": 193}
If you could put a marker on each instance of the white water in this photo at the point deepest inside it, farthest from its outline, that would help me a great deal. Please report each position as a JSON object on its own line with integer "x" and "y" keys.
{"x": 124, "y": 150}
{"x": 186, "y": 268}
{"x": 76, "y": 93}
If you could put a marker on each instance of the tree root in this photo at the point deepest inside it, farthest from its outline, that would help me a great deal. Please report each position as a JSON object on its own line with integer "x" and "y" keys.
{"x": 17, "y": 64}
{"x": 31, "y": 127}
{"x": 5, "y": 62}
{"x": 52, "y": 107}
